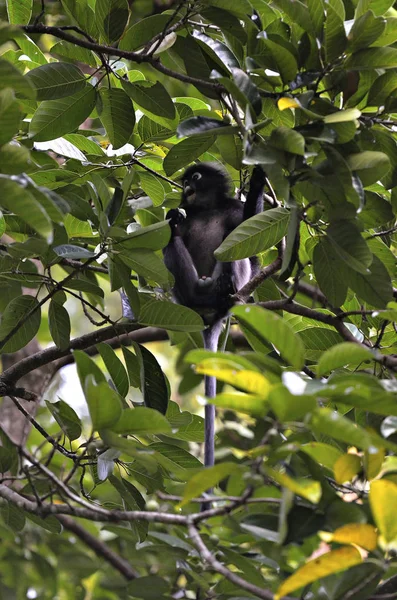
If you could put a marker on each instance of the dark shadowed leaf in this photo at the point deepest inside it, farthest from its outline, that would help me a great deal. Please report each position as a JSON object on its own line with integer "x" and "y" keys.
{"x": 197, "y": 125}
{"x": 153, "y": 382}
{"x": 186, "y": 151}
{"x": 56, "y": 80}
{"x": 66, "y": 418}
{"x": 117, "y": 115}
{"x": 111, "y": 18}
{"x": 59, "y": 324}
{"x": 23, "y": 308}
{"x": 54, "y": 118}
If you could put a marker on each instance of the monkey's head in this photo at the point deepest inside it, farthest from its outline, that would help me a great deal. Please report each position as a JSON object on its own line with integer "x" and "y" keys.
{"x": 205, "y": 185}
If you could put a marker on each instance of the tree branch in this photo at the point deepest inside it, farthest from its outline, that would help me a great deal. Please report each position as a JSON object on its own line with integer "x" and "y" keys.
{"x": 127, "y": 54}
{"x": 99, "y": 547}
{"x": 208, "y": 557}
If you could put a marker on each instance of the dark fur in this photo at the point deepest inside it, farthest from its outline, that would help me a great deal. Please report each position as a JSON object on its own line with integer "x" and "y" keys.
{"x": 201, "y": 282}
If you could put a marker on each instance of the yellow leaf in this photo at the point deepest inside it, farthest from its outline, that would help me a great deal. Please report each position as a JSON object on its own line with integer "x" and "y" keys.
{"x": 383, "y": 501}
{"x": 346, "y": 467}
{"x": 306, "y": 488}
{"x": 322, "y": 566}
{"x": 240, "y": 402}
{"x": 249, "y": 381}
{"x": 360, "y": 534}
{"x": 284, "y": 103}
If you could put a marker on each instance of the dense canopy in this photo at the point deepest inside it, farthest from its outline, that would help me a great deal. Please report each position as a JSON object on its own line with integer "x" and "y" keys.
{"x": 103, "y": 103}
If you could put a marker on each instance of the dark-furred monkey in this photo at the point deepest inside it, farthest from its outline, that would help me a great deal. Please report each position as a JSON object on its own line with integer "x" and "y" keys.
{"x": 201, "y": 282}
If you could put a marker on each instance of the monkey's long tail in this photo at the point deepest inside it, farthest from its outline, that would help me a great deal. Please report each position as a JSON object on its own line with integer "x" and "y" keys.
{"x": 211, "y": 338}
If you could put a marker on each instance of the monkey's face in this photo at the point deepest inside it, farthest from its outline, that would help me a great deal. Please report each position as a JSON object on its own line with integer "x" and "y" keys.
{"x": 204, "y": 185}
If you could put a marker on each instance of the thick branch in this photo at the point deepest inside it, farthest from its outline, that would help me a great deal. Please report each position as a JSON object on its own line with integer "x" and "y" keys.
{"x": 133, "y": 56}
{"x": 93, "y": 514}
{"x": 48, "y": 355}
{"x": 99, "y": 547}
{"x": 246, "y": 291}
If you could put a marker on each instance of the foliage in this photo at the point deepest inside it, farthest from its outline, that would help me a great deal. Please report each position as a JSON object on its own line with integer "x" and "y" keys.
{"x": 102, "y": 105}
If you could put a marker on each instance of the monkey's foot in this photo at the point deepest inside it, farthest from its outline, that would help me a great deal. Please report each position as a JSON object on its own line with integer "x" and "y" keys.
{"x": 205, "y": 281}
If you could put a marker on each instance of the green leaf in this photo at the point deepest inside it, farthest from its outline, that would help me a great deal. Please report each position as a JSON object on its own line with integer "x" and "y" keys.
{"x": 329, "y": 273}
{"x": 14, "y": 159}
{"x": 335, "y": 37}
{"x": 66, "y": 418}
{"x": 290, "y": 407}
{"x": 56, "y": 80}
{"x": 117, "y": 115}
{"x": 372, "y": 58}
{"x": 288, "y": 140}
{"x": 21, "y": 202}
{"x": 10, "y": 77}
{"x": 59, "y": 324}
{"x": 103, "y": 404}
{"x": 161, "y": 313}
{"x": 174, "y": 458}
{"x": 342, "y": 355}
{"x": 272, "y": 328}
{"x": 141, "y": 420}
{"x": 153, "y": 187}
{"x": 54, "y": 118}
{"x": 342, "y": 116}
{"x": 318, "y": 339}
{"x": 153, "y": 382}
{"x": 147, "y": 264}
{"x": 86, "y": 367}
{"x": 206, "y": 479}
{"x": 186, "y": 151}
{"x": 324, "y": 454}
{"x": 254, "y": 235}
{"x": 335, "y": 425}
{"x": 374, "y": 287}
{"x": 152, "y": 98}
{"x": 150, "y": 131}
{"x": 285, "y": 61}
{"x": 19, "y": 309}
{"x": 366, "y": 29}
{"x": 83, "y": 285}
{"x": 115, "y": 367}
{"x": 297, "y": 13}
{"x": 382, "y": 88}
{"x": 369, "y": 165}
{"x": 143, "y": 31}
{"x": 317, "y": 15}
{"x": 349, "y": 245}
{"x": 19, "y": 11}
{"x": 10, "y": 116}
{"x": 111, "y": 18}
{"x": 133, "y": 367}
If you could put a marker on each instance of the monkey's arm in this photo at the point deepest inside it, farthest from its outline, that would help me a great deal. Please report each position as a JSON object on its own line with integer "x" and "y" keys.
{"x": 179, "y": 261}
{"x": 254, "y": 203}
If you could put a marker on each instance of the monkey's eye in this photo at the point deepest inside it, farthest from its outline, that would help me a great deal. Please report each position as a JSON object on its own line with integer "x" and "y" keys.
{"x": 196, "y": 176}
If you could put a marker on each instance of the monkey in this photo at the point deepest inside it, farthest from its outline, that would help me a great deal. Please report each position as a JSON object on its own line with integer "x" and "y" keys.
{"x": 201, "y": 282}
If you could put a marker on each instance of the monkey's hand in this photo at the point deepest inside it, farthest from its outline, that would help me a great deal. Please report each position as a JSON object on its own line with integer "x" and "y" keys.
{"x": 176, "y": 217}
{"x": 258, "y": 178}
